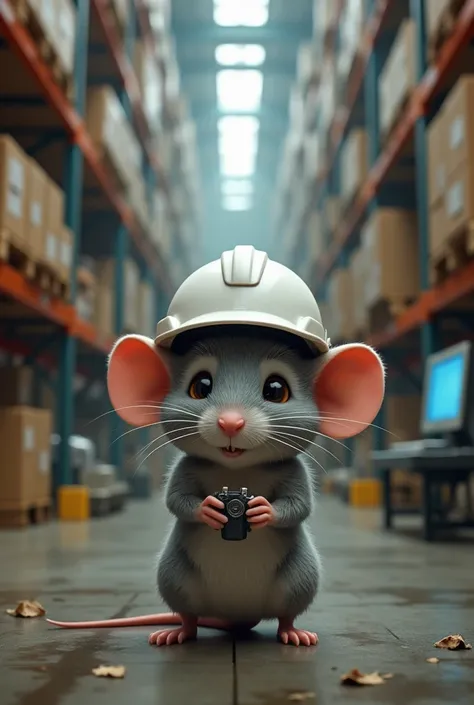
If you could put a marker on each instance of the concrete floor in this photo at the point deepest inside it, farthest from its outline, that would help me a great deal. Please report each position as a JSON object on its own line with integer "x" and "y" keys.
{"x": 385, "y": 600}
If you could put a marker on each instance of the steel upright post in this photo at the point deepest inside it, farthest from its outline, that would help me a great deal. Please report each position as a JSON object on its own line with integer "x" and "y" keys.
{"x": 73, "y": 204}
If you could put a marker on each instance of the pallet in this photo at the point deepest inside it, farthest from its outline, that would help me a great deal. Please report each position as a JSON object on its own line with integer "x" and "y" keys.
{"x": 49, "y": 281}
{"x": 458, "y": 250}
{"x": 29, "y": 19}
{"x": 385, "y": 311}
{"x": 37, "y": 513}
{"x": 16, "y": 254}
{"x": 446, "y": 25}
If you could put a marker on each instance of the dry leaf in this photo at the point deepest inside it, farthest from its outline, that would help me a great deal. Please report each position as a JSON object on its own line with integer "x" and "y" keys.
{"x": 109, "y": 671}
{"x": 27, "y": 608}
{"x": 453, "y": 642}
{"x": 433, "y": 659}
{"x": 301, "y": 697}
{"x": 355, "y": 677}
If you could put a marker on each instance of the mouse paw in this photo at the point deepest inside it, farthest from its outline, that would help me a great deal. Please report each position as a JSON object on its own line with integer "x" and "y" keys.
{"x": 167, "y": 637}
{"x": 299, "y": 637}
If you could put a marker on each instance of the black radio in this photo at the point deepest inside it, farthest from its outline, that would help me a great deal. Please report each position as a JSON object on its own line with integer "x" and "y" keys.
{"x": 235, "y": 509}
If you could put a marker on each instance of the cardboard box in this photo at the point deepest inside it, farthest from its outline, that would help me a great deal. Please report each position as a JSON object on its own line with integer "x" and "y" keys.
{"x": 146, "y": 297}
{"x": 437, "y": 164}
{"x": 333, "y": 213}
{"x": 66, "y": 34}
{"x": 65, "y": 253}
{"x": 459, "y": 201}
{"x": 315, "y": 234}
{"x": 398, "y": 76}
{"x": 16, "y": 386}
{"x": 18, "y": 464}
{"x": 54, "y": 225}
{"x": 354, "y": 164}
{"x": 390, "y": 239}
{"x": 359, "y": 270}
{"x": 434, "y": 10}
{"x": 150, "y": 82}
{"x": 45, "y": 13}
{"x": 438, "y": 228}
{"x": 121, "y": 10}
{"x": 341, "y": 304}
{"x": 44, "y": 429}
{"x": 402, "y": 419}
{"x": 131, "y": 278}
{"x": 13, "y": 171}
{"x": 458, "y": 141}
{"x": 35, "y": 225}
{"x": 104, "y": 314}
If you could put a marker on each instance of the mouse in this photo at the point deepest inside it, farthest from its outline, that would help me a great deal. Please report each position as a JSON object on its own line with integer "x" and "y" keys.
{"x": 243, "y": 406}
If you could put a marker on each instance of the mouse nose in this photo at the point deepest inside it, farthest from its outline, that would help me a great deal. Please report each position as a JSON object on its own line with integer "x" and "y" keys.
{"x": 231, "y": 422}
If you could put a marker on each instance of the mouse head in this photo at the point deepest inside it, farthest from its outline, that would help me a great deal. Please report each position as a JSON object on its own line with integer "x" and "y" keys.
{"x": 245, "y": 396}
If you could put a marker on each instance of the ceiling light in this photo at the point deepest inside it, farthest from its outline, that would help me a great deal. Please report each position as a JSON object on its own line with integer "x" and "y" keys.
{"x": 238, "y": 124}
{"x": 237, "y": 187}
{"x": 236, "y": 203}
{"x": 237, "y": 164}
{"x": 239, "y": 91}
{"x": 241, "y": 13}
{"x": 240, "y": 54}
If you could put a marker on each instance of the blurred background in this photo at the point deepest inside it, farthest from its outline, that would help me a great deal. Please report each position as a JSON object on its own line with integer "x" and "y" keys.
{"x": 141, "y": 139}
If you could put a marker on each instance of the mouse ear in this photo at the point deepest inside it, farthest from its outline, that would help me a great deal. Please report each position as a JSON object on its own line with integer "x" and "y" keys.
{"x": 349, "y": 388}
{"x": 137, "y": 380}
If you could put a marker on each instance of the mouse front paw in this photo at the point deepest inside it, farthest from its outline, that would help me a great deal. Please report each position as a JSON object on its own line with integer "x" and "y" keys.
{"x": 288, "y": 634}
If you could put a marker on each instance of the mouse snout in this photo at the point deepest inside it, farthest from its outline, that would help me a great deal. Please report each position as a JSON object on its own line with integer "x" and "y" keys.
{"x": 230, "y": 423}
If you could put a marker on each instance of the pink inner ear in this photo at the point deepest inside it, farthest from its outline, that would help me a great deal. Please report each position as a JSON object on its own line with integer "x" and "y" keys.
{"x": 349, "y": 390}
{"x": 137, "y": 379}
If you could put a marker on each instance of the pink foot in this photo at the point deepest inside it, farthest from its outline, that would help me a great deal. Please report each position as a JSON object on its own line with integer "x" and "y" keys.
{"x": 186, "y": 632}
{"x": 290, "y": 635}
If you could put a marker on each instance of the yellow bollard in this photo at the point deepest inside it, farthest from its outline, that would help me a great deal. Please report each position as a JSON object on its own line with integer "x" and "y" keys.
{"x": 365, "y": 492}
{"x": 74, "y": 503}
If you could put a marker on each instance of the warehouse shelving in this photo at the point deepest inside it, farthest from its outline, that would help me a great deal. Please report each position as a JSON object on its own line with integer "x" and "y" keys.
{"x": 72, "y": 339}
{"x": 425, "y": 317}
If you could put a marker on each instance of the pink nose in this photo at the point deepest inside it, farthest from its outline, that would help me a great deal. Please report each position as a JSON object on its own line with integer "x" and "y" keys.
{"x": 230, "y": 422}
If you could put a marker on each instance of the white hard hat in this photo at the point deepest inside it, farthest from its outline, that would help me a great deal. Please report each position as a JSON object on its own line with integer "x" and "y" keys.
{"x": 245, "y": 287}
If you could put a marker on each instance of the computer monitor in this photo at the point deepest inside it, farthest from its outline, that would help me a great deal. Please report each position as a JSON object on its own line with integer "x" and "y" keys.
{"x": 447, "y": 394}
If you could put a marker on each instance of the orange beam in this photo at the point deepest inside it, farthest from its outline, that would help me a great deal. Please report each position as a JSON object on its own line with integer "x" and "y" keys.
{"x": 14, "y": 285}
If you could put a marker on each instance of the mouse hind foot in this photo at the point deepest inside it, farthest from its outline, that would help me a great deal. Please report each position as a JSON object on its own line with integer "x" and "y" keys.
{"x": 289, "y": 634}
{"x": 189, "y": 626}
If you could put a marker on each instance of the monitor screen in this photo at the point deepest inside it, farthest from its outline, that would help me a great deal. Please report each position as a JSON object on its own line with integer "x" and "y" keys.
{"x": 445, "y": 389}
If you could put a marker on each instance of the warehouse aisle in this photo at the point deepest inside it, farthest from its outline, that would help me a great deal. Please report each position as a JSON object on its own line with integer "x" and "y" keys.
{"x": 386, "y": 599}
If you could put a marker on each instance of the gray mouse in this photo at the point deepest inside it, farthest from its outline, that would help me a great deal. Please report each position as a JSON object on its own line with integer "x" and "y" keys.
{"x": 243, "y": 406}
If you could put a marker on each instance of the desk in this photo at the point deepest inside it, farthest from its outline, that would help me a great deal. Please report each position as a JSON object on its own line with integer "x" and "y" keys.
{"x": 437, "y": 466}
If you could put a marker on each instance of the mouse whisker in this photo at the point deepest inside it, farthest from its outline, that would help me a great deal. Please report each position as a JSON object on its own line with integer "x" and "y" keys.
{"x": 298, "y": 450}
{"x": 313, "y": 443}
{"x": 121, "y": 408}
{"x": 172, "y": 440}
{"x": 149, "y": 425}
{"x": 174, "y": 407}
{"x": 300, "y": 428}
{"x": 154, "y": 440}
{"x": 334, "y": 419}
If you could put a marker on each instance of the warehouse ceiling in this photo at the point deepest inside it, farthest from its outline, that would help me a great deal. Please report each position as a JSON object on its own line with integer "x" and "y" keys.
{"x": 238, "y": 62}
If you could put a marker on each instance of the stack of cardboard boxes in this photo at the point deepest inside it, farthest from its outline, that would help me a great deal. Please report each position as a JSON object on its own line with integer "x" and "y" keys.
{"x": 25, "y": 438}
{"x": 56, "y": 21}
{"x": 32, "y": 212}
{"x": 451, "y": 171}
{"x": 398, "y": 77}
{"x": 354, "y": 165}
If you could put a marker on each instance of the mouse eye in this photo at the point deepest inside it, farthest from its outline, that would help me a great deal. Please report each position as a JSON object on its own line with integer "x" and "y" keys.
{"x": 201, "y": 386}
{"x": 276, "y": 390}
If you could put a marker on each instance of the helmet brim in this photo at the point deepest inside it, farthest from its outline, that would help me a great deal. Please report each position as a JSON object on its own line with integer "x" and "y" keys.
{"x": 249, "y": 318}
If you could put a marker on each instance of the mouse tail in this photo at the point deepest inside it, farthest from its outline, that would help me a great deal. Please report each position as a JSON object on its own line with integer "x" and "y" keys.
{"x": 148, "y": 620}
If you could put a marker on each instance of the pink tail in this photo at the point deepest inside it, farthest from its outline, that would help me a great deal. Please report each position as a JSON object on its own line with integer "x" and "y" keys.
{"x": 148, "y": 620}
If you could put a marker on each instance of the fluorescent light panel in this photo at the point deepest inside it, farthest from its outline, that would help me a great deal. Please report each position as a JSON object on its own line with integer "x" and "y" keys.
{"x": 239, "y": 91}
{"x": 237, "y": 164}
{"x": 236, "y": 203}
{"x": 241, "y": 13}
{"x": 237, "y": 187}
{"x": 240, "y": 54}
